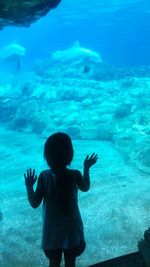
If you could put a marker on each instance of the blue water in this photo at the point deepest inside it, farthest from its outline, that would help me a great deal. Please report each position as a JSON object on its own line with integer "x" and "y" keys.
{"x": 121, "y": 34}
{"x": 104, "y": 107}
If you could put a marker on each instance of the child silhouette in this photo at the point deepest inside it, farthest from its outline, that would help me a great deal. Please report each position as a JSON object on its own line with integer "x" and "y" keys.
{"x": 58, "y": 186}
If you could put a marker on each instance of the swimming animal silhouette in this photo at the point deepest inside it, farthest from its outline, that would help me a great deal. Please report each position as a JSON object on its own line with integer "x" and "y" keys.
{"x": 12, "y": 52}
{"x": 76, "y": 54}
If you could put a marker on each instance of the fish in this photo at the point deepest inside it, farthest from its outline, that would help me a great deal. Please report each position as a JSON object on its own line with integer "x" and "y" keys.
{"x": 76, "y": 54}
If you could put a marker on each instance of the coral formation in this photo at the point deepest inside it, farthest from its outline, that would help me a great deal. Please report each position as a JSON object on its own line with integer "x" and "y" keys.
{"x": 24, "y": 12}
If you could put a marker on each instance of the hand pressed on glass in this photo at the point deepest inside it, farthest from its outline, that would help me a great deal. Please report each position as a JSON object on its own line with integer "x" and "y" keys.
{"x": 30, "y": 177}
{"x": 90, "y": 161}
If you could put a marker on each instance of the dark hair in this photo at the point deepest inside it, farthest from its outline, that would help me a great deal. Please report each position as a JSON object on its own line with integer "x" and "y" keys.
{"x": 58, "y": 150}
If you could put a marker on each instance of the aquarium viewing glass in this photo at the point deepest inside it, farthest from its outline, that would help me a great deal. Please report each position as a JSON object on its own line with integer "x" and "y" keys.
{"x": 83, "y": 69}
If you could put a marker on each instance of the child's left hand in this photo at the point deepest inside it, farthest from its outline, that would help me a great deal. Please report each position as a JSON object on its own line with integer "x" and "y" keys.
{"x": 30, "y": 177}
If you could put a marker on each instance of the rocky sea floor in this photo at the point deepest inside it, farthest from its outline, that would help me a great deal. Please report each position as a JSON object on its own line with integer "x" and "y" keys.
{"x": 104, "y": 109}
{"x": 115, "y": 211}
{"x": 94, "y": 102}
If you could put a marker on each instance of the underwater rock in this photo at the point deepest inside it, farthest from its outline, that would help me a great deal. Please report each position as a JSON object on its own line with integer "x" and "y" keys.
{"x": 72, "y": 119}
{"x": 8, "y": 107}
{"x": 20, "y": 123}
{"x": 145, "y": 100}
{"x": 27, "y": 89}
{"x": 128, "y": 82}
{"x": 98, "y": 72}
{"x": 104, "y": 132}
{"x": 106, "y": 72}
{"x": 123, "y": 111}
{"x": 74, "y": 131}
{"x": 124, "y": 141}
{"x": 75, "y": 93}
{"x": 140, "y": 156}
{"x": 117, "y": 111}
{"x": 87, "y": 102}
{"x": 38, "y": 126}
{"x": 105, "y": 118}
{"x": 146, "y": 157}
{"x": 107, "y": 107}
{"x": 1, "y": 216}
{"x": 24, "y": 12}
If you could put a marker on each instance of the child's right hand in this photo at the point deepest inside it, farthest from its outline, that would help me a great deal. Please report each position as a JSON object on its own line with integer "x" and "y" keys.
{"x": 90, "y": 161}
{"x": 30, "y": 177}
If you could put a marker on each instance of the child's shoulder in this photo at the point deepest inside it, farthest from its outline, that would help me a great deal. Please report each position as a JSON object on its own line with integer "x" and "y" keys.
{"x": 74, "y": 172}
{"x": 45, "y": 173}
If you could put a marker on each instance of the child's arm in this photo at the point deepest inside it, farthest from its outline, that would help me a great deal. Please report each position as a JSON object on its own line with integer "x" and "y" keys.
{"x": 36, "y": 197}
{"x": 84, "y": 182}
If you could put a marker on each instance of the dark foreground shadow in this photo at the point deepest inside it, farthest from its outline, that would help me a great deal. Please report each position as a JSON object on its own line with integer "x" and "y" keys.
{"x": 130, "y": 260}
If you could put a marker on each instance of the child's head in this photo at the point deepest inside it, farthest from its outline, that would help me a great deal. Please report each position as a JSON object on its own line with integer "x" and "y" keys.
{"x": 58, "y": 150}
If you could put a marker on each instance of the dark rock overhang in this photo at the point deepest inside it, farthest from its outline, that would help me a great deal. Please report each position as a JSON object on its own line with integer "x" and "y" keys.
{"x": 24, "y": 12}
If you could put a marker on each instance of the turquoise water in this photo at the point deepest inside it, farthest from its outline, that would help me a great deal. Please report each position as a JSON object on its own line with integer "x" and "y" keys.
{"x": 98, "y": 91}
